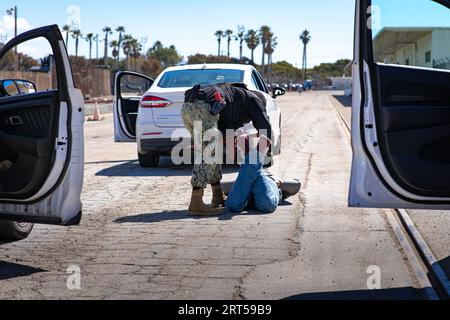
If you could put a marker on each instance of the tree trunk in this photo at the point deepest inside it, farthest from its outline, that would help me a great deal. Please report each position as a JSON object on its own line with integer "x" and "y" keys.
{"x": 67, "y": 40}
{"x": 263, "y": 58}
{"x": 253, "y": 55}
{"x": 240, "y": 52}
{"x": 218, "y": 48}
{"x": 90, "y": 49}
{"x": 118, "y": 47}
{"x": 106, "y": 48}
{"x": 269, "y": 64}
{"x": 305, "y": 64}
{"x": 76, "y": 47}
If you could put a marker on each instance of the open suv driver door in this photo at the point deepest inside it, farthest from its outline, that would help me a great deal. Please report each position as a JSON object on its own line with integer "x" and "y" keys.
{"x": 41, "y": 133}
{"x": 401, "y": 105}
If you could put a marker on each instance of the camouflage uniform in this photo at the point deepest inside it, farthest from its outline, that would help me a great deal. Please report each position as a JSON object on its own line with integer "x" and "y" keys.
{"x": 198, "y": 111}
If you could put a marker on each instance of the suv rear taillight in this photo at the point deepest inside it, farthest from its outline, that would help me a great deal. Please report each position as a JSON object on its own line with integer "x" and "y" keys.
{"x": 154, "y": 102}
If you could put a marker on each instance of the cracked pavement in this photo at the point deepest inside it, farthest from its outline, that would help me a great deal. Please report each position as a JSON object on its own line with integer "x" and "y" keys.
{"x": 136, "y": 241}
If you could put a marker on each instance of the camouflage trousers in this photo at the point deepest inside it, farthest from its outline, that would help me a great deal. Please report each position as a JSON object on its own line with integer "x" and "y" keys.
{"x": 197, "y": 115}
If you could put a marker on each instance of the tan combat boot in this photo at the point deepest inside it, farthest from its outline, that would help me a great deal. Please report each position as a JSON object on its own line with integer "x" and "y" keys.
{"x": 199, "y": 208}
{"x": 218, "y": 199}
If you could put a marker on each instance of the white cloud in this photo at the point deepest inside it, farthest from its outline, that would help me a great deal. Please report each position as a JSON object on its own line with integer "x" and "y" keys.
{"x": 7, "y": 24}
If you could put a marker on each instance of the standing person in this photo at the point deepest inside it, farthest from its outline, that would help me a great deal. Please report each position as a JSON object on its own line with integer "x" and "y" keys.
{"x": 197, "y": 109}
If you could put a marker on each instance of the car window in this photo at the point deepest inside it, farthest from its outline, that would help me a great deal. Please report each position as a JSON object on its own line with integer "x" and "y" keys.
{"x": 133, "y": 86}
{"x": 265, "y": 89}
{"x": 254, "y": 81}
{"x": 190, "y": 78}
{"x": 260, "y": 84}
{"x": 26, "y": 69}
{"x": 416, "y": 33}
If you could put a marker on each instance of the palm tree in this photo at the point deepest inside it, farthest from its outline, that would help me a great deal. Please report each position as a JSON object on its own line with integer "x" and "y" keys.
{"x": 89, "y": 38}
{"x": 219, "y": 34}
{"x": 272, "y": 43}
{"x": 241, "y": 38}
{"x": 127, "y": 47}
{"x": 136, "y": 49}
{"x": 114, "y": 45}
{"x": 264, "y": 34}
{"x": 76, "y": 34}
{"x": 158, "y": 45}
{"x": 107, "y": 31}
{"x": 305, "y": 38}
{"x": 121, "y": 31}
{"x": 252, "y": 40}
{"x": 66, "y": 28}
{"x": 229, "y": 35}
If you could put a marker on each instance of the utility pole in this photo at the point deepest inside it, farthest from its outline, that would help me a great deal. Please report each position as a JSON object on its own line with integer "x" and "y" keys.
{"x": 10, "y": 12}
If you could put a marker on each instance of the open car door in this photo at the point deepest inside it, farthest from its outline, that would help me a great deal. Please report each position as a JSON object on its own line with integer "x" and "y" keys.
{"x": 41, "y": 131}
{"x": 401, "y": 105}
{"x": 129, "y": 88}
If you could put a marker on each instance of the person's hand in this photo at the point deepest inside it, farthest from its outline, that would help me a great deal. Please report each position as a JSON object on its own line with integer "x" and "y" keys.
{"x": 246, "y": 142}
{"x": 264, "y": 144}
{"x": 243, "y": 143}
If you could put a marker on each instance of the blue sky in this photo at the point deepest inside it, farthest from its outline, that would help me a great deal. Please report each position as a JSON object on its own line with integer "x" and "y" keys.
{"x": 190, "y": 25}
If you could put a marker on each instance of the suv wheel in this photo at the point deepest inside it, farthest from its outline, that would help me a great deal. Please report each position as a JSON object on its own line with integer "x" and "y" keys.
{"x": 14, "y": 231}
{"x": 148, "y": 160}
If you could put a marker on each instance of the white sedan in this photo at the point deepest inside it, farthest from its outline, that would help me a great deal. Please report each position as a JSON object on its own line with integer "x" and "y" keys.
{"x": 149, "y": 111}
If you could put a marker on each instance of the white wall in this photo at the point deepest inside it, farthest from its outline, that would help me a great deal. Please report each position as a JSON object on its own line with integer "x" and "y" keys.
{"x": 342, "y": 83}
{"x": 441, "y": 45}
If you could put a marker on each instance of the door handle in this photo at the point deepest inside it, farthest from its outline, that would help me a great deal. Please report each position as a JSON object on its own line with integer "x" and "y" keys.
{"x": 15, "y": 121}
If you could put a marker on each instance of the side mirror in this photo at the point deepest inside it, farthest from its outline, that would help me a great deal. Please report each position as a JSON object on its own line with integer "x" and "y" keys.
{"x": 278, "y": 91}
{"x": 8, "y": 88}
{"x": 13, "y": 87}
{"x": 25, "y": 86}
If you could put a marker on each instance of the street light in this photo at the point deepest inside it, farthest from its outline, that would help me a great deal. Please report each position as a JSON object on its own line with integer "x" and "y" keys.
{"x": 10, "y": 12}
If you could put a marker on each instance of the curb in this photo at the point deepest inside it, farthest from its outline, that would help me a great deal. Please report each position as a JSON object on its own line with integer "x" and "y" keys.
{"x": 425, "y": 251}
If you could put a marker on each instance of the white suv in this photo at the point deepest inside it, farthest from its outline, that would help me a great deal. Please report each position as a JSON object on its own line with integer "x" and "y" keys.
{"x": 149, "y": 112}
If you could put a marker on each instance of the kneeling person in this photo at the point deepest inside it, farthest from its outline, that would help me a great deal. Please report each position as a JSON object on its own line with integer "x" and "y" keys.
{"x": 253, "y": 187}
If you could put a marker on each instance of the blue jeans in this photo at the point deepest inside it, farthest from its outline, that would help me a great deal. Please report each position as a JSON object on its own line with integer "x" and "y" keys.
{"x": 253, "y": 186}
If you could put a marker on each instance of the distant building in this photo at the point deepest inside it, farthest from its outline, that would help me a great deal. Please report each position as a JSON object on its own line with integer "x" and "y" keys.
{"x": 422, "y": 47}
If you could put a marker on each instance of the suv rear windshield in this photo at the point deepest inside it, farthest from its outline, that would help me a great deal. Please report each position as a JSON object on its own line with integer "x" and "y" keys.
{"x": 190, "y": 78}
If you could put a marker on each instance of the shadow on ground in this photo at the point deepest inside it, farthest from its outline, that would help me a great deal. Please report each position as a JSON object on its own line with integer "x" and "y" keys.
{"x": 165, "y": 169}
{"x": 182, "y": 215}
{"x": 344, "y": 100}
{"x": 407, "y": 293}
{"x": 10, "y": 270}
